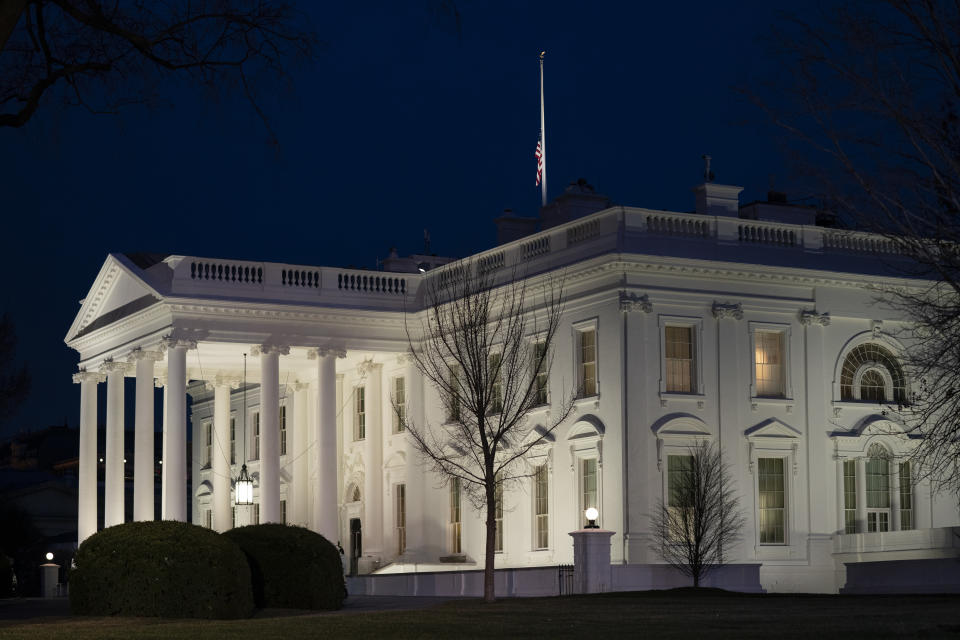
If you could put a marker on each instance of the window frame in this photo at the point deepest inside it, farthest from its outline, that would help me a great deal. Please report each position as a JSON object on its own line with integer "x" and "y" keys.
{"x": 400, "y": 516}
{"x": 455, "y": 526}
{"x": 207, "y": 445}
{"x": 785, "y": 341}
{"x": 785, "y": 509}
{"x": 541, "y": 519}
{"x": 541, "y": 387}
{"x": 695, "y": 324}
{"x": 359, "y": 413}
{"x": 233, "y": 439}
{"x": 398, "y": 409}
{"x": 282, "y": 419}
{"x": 255, "y": 434}
{"x": 580, "y": 328}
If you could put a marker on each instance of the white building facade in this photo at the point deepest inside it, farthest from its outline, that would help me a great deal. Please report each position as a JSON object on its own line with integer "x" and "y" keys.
{"x": 750, "y": 327}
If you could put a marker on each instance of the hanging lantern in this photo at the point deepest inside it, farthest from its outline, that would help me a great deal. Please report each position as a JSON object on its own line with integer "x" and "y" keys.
{"x": 244, "y": 487}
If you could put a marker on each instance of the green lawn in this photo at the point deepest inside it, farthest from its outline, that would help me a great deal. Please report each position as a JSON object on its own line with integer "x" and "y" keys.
{"x": 650, "y": 614}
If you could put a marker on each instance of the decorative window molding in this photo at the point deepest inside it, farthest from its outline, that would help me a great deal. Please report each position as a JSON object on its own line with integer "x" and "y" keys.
{"x": 695, "y": 325}
{"x": 676, "y": 433}
{"x": 586, "y": 457}
{"x": 870, "y": 355}
{"x": 773, "y": 439}
{"x": 757, "y": 352}
{"x": 587, "y": 372}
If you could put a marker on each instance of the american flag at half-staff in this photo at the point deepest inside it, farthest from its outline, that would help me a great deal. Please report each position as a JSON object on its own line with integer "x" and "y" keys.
{"x": 542, "y": 144}
{"x": 539, "y": 155}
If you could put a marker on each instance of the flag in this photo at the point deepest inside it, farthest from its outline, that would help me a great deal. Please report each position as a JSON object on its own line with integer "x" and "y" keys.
{"x": 539, "y": 155}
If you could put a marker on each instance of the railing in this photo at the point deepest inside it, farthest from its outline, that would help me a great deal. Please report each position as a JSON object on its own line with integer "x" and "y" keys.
{"x": 536, "y": 247}
{"x": 678, "y": 225}
{"x": 860, "y": 242}
{"x": 769, "y": 233}
{"x": 565, "y": 585}
{"x": 222, "y": 271}
{"x": 371, "y": 283}
{"x": 583, "y": 231}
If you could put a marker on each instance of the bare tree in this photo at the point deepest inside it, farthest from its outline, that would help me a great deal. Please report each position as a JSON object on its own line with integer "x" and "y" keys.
{"x": 104, "y": 55}
{"x": 871, "y": 92}
{"x": 484, "y": 346}
{"x": 701, "y": 515}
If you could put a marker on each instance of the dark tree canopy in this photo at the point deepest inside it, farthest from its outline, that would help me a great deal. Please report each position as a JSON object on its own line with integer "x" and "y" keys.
{"x": 14, "y": 381}
{"x": 104, "y": 55}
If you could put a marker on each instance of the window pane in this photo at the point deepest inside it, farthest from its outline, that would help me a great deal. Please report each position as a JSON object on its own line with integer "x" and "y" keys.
{"x": 850, "y": 496}
{"x": 878, "y": 483}
{"x": 772, "y": 500}
{"x": 588, "y": 484}
{"x": 769, "y": 363}
{"x": 360, "y": 414}
{"x": 588, "y": 363}
{"x": 680, "y": 369}
{"x": 400, "y": 405}
{"x": 677, "y": 468}
{"x": 906, "y": 497}
{"x": 541, "y": 506}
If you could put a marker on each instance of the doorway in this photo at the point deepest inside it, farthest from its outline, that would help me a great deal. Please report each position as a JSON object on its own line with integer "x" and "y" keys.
{"x": 356, "y": 545}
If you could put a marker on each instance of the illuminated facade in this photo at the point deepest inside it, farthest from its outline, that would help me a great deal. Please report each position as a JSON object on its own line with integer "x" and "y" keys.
{"x": 749, "y": 326}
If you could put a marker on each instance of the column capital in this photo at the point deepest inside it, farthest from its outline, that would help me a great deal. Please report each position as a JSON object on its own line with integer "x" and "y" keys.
{"x": 144, "y": 354}
{"x": 367, "y": 366}
{"x": 111, "y": 366}
{"x": 321, "y": 352}
{"x": 88, "y": 376}
{"x": 810, "y": 317}
{"x": 269, "y": 349}
{"x": 170, "y": 342}
{"x": 221, "y": 380}
{"x": 721, "y": 310}
{"x": 632, "y": 302}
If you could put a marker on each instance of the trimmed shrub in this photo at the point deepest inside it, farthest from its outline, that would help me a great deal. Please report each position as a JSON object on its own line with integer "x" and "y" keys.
{"x": 291, "y": 567}
{"x": 166, "y": 569}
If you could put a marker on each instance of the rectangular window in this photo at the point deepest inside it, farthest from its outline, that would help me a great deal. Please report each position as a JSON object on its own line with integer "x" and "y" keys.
{"x": 849, "y": 496}
{"x": 207, "y": 444}
{"x": 498, "y": 515}
{"x": 256, "y": 513}
{"x": 680, "y": 361}
{"x": 677, "y": 469}
{"x": 256, "y": 435}
{"x": 360, "y": 413}
{"x": 401, "y": 518}
{"x": 541, "y": 506}
{"x": 283, "y": 511}
{"x": 588, "y": 363}
{"x": 208, "y": 519}
{"x": 455, "y": 515}
{"x": 233, "y": 517}
{"x": 453, "y": 411}
{"x": 772, "y": 500}
{"x": 233, "y": 440}
{"x": 283, "y": 430}
{"x": 588, "y": 486}
{"x": 399, "y": 405}
{"x": 906, "y": 497}
{"x": 768, "y": 358}
{"x": 538, "y": 358}
{"x": 496, "y": 385}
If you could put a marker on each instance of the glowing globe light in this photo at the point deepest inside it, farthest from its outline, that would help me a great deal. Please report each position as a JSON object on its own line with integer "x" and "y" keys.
{"x": 49, "y": 556}
{"x": 591, "y": 514}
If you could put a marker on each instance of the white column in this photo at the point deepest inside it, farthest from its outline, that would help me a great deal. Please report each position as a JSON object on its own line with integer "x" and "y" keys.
{"x": 174, "y": 474}
{"x": 87, "y": 472}
{"x": 161, "y": 383}
{"x": 841, "y": 498}
{"x": 894, "y": 494}
{"x": 220, "y": 456}
{"x": 861, "y": 495}
{"x": 326, "y": 520}
{"x": 113, "y": 480}
{"x": 300, "y": 505}
{"x": 373, "y": 537}
{"x": 143, "y": 478}
{"x": 415, "y": 476}
{"x": 270, "y": 432}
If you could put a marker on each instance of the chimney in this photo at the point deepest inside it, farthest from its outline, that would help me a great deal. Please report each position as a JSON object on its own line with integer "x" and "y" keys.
{"x": 716, "y": 199}
{"x": 579, "y": 199}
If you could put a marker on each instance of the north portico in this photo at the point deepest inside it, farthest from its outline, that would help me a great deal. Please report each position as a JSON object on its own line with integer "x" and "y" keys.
{"x": 175, "y": 322}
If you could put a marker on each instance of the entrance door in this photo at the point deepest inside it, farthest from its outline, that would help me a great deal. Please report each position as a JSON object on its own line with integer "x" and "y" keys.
{"x": 356, "y": 545}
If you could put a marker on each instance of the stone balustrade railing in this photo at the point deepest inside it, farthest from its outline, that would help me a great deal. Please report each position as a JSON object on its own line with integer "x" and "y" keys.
{"x": 618, "y": 229}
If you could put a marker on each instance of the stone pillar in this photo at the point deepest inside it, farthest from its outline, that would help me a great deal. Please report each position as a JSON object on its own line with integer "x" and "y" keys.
{"x": 220, "y": 456}
{"x": 174, "y": 473}
{"x": 49, "y": 579}
{"x": 160, "y": 382}
{"x": 894, "y": 494}
{"x": 591, "y": 560}
{"x": 373, "y": 460}
{"x": 326, "y": 519}
{"x": 143, "y": 469}
{"x": 87, "y": 472}
{"x": 861, "y": 495}
{"x": 270, "y": 432}
{"x": 841, "y": 499}
{"x": 113, "y": 480}
{"x": 299, "y": 505}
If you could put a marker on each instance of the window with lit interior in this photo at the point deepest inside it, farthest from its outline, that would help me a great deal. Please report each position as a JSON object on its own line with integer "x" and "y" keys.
{"x": 871, "y": 373}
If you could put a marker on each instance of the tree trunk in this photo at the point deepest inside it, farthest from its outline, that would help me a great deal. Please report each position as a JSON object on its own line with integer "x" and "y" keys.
{"x": 696, "y": 580}
{"x": 10, "y": 12}
{"x": 489, "y": 593}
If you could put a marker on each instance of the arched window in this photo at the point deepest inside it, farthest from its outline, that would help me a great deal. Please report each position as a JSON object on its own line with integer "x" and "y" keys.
{"x": 872, "y": 374}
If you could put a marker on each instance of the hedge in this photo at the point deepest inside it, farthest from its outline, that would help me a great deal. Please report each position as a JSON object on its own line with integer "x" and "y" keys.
{"x": 166, "y": 569}
{"x": 291, "y": 567}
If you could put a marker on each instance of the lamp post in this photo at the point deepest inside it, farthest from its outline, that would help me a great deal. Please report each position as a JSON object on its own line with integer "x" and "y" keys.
{"x": 244, "y": 486}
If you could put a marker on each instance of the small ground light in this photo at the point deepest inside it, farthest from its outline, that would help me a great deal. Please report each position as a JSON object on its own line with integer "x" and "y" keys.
{"x": 592, "y": 514}
{"x": 49, "y": 556}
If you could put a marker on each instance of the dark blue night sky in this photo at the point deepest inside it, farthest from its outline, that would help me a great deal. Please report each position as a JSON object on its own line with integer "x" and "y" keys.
{"x": 403, "y": 123}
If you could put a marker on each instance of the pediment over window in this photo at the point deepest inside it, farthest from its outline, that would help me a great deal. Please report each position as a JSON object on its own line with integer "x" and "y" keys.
{"x": 680, "y": 426}
{"x": 772, "y": 429}
{"x": 398, "y": 459}
{"x": 874, "y": 425}
{"x": 205, "y": 489}
{"x": 587, "y": 426}
{"x": 871, "y": 430}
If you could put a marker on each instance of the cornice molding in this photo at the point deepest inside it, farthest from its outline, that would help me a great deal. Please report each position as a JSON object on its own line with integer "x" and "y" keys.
{"x": 727, "y": 310}
{"x": 143, "y": 354}
{"x": 809, "y": 317}
{"x": 88, "y": 376}
{"x": 322, "y": 352}
{"x": 113, "y": 366}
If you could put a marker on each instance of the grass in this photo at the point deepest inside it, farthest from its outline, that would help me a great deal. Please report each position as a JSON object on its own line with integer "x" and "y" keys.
{"x": 671, "y": 614}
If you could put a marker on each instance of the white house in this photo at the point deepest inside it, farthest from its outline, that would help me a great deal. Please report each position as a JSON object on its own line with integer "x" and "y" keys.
{"x": 750, "y": 326}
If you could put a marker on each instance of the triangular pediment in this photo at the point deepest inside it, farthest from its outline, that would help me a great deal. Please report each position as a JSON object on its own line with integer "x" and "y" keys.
{"x": 118, "y": 290}
{"x": 772, "y": 429}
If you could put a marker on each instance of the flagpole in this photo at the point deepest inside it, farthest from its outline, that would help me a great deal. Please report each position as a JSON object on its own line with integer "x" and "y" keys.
{"x": 543, "y": 138}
